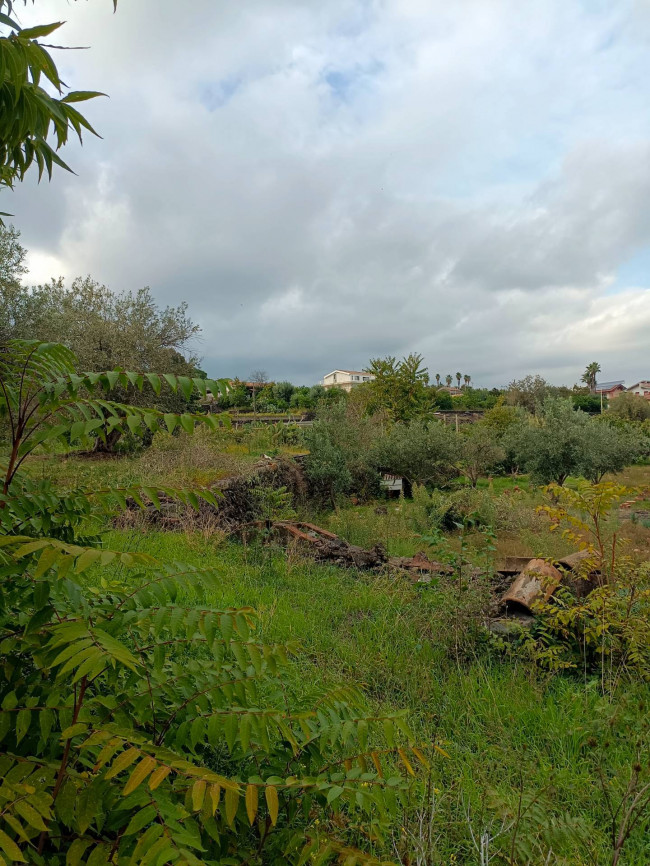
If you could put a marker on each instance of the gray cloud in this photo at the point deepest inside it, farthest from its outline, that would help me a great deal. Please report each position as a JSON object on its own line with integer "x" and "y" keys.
{"x": 328, "y": 183}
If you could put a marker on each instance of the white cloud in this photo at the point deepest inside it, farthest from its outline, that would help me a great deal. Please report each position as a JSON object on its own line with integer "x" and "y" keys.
{"x": 325, "y": 183}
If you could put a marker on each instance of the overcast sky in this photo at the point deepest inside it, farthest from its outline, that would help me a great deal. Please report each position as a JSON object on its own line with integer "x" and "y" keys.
{"x": 326, "y": 182}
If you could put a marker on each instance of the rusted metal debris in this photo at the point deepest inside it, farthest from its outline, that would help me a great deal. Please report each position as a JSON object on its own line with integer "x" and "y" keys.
{"x": 537, "y": 581}
{"x": 326, "y": 546}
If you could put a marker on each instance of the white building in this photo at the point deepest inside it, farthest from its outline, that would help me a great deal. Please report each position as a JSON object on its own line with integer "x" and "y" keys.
{"x": 641, "y": 389}
{"x": 346, "y": 379}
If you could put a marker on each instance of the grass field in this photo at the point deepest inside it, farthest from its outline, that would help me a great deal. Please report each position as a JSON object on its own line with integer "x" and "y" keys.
{"x": 531, "y": 757}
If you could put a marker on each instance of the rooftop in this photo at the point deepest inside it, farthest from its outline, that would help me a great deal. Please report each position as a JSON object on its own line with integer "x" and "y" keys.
{"x": 608, "y": 386}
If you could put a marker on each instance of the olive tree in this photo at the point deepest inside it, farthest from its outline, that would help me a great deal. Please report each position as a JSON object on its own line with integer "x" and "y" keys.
{"x": 479, "y": 452}
{"x": 551, "y": 445}
{"x": 422, "y": 452}
{"x": 561, "y": 441}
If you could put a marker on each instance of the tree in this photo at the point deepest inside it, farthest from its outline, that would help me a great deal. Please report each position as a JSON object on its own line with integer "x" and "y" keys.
{"x": 28, "y": 111}
{"x": 458, "y": 378}
{"x": 467, "y": 380}
{"x": 589, "y": 403}
{"x": 609, "y": 449}
{"x": 339, "y": 446}
{"x": 562, "y": 441}
{"x": 551, "y": 446}
{"x": 400, "y": 388}
{"x": 480, "y": 451}
{"x": 629, "y": 407}
{"x": 282, "y": 393}
{"x": 529, "y": 392}
{"x": 590, "y": 374}
{"x": 422, "y": 452}
{"x": 258, "y": 379}
{"x": 449, "y": 379}
{"x": 106, "y": 329}
{"x": 438, "y": 379}
{"x": 12, "y": 268}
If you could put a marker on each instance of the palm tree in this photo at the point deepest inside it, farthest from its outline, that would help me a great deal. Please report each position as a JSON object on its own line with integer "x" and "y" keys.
{"x": 589, "y": 375}
{"x": 458, "y": 378}
{"x": 467, "y": 379}
{"x": 449, "y": 379}
{"x": 438, "y": 379}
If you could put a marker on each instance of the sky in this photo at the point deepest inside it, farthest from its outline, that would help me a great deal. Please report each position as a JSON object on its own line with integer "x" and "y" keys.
{"x": 328, "y": 182}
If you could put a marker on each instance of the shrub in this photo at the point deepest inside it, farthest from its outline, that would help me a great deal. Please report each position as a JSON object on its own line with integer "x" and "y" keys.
{"x": 422, "y": 452}
{"x": 480, "y": 452}
{"x": 139, "y": 724}
{"x": 630, "y": 407}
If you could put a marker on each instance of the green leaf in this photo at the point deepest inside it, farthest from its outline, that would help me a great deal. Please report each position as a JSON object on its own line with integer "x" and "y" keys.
{"x": 76, "y": 851}
{"x": 140, "y": 819}
{"x": 10, "y": 848}
{"x": 40, "y": 30}
{"x": 74, "y": 730}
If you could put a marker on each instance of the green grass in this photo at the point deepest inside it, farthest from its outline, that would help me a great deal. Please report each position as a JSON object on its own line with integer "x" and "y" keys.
{"x": 506, "y": 727}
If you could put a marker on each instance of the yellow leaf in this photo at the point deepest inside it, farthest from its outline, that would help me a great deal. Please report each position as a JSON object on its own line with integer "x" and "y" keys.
{"x": 273, "y": 803}
{"x": 158, "y": 775}
{"x": 441, "y": 751}
{"x": 232, "y": 800}
{"x": 215, "y": 795}
{"x": 376, "y": 762}
{"x": 198, "y": 793}
{"x": 406, "y": 762}
{"x": 422, "y": 758}
{"x": 122, "y": 762}
{"x": 251, "y": 802}
{"x": 140, "y": 773}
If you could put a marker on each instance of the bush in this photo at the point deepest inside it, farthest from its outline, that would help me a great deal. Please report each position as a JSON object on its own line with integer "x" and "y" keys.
{"x": 422, "y": 452}
{"x": 480, "y": 452}
{"x": 339, "y": 460}
{"x": 630, "y": 407}
{"x": 139, "y": 723}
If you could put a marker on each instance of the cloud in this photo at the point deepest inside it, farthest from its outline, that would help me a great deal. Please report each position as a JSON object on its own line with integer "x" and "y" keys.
{"x": 328, "y": 183}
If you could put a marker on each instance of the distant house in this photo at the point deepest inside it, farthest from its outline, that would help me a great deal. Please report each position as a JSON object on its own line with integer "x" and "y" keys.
{"x": 641, "y": 389}
{"x": 610, "y": 389}
{"x": 346, "y": 379}
{"x": 452, "y": 390}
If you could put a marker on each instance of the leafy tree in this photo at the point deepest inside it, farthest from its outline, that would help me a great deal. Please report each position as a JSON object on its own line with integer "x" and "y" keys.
{"x": 282, "y": 393}
{"x": 106, "y": 329}
{"x": 340, "y": 445}
{"x": 551, "y": 445}
{"x": 480, "y": 451}
{"x": 561, "y": 441}
{"x": 589, "y": 403}
{"x": 326, "y": 466}
{"x": 609, "y": 449}
{"x": 302, "y": 398}
{"x": 258, "y": 379}
{"x": 28, "y": 110}
{"x": 502, "y": 417}
{"x": 467, "y": 379}
{"x": 400, "y": 388}
{"x": 589, "y": 376}
{"x": 529, "y": 392}
{"x": 444, "y": 400}
{"x": 438, "y": 379}
{"x": 422, "y": 452}
{"x": 139, "y": 723}
{"x": 629, "y": 407}
{"x": 459, "y": 376}
{"x": 449, "y": 379}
